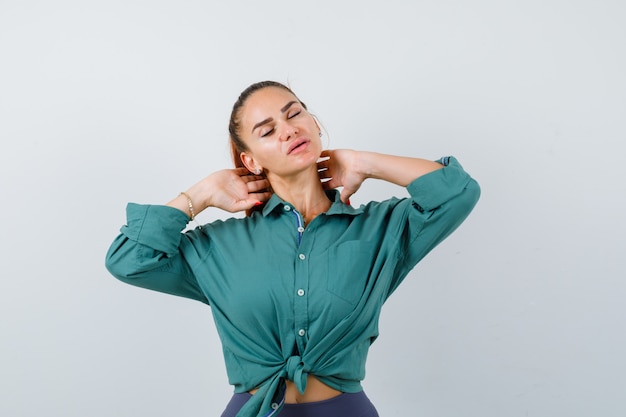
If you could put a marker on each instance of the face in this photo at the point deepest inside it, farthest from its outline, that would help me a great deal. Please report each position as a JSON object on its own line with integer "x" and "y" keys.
{"x": 281, "y": 135}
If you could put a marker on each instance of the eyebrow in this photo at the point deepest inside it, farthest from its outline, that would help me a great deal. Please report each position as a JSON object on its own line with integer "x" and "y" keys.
{"x": 269, "y": 119}
{"x": 286, "y": 106}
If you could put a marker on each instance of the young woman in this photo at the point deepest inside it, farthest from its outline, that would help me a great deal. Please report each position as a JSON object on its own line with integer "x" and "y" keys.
{"x": 296, "y": 287}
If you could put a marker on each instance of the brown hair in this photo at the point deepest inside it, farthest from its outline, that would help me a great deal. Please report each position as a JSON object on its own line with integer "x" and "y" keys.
{"x": 237, "y": 145}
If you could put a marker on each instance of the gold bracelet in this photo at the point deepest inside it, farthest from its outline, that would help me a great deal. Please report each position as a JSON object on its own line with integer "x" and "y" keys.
{"x": 193, "y": 214}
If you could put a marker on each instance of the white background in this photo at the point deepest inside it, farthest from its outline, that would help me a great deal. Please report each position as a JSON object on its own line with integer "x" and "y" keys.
{"x": 519, "y": 313}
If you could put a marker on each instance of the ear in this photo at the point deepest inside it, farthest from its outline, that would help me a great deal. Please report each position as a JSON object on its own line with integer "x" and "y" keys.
{"x": 250, "y": 163}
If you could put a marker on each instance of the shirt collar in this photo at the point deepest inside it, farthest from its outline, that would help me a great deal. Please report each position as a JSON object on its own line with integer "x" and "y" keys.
{"x": 337, "y": 207}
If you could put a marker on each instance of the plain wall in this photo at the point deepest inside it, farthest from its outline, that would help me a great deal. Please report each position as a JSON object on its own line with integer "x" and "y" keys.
{"x": 519, "y": 313}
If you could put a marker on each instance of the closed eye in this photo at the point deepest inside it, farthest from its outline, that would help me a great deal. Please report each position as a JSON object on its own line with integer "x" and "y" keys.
{"x": 292, "y": 115}
{"x": 269, "y": 132}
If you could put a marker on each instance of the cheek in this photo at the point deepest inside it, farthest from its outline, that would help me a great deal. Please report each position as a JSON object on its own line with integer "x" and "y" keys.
{"x": 266, "y": 152}
{"x": 318, "y": 143}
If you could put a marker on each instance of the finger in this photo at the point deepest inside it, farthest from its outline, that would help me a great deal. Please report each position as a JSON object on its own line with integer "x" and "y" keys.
{"x": 255, "y": 198}
{"x": 329, "y": 183}
{"x": 258, "y": 185}
{"x": 324, "y": 172}
{"x": 251, "y": 178}
{"x": 345, "y": 196}
{"x": 326, "y": 185}
{"x": 323, "y": 165}
{"x": 251, "y": 200}
{"x": 241, "y": 171}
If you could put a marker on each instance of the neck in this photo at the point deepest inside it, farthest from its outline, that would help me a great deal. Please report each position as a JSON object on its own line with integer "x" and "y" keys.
{"x": 304, "y": 191}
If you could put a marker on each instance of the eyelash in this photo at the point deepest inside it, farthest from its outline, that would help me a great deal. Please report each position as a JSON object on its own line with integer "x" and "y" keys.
{"x": 272, "y": 129}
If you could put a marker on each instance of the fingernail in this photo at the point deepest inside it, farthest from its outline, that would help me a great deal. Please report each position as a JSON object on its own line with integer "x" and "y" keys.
{"x": 258, "y": 203}
{"x": 348, "y": 202}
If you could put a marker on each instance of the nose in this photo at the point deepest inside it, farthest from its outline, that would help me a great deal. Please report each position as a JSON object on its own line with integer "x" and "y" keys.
{"x": 287, "y": 131}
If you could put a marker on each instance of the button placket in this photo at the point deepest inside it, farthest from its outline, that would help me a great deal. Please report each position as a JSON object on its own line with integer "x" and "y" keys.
{"x": 301, "y": 285}
{"x": 300, "y": 303}
{"x": 299, "y": 224}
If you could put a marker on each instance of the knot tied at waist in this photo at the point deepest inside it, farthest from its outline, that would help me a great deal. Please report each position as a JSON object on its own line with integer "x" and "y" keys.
{"x": 294, "y": 371}
{"x": 270, "y": 397}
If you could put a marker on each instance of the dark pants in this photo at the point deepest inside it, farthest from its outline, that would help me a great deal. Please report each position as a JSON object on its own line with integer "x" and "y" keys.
{"x": 344, "y": 405}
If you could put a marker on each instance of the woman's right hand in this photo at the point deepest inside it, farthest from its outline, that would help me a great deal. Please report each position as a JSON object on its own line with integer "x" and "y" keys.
{"x": 237, "y": 190}
{"x": 232, "y": 190}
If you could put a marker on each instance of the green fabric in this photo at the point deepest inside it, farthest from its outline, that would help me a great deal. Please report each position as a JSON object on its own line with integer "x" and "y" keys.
{"x": 287, "y": 303}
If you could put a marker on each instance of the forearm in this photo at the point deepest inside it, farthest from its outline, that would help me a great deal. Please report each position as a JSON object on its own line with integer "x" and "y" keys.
{"x": 398, "y": 170}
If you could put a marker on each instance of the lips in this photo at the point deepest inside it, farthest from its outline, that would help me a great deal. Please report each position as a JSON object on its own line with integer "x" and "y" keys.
{"x": 297, "y": 145}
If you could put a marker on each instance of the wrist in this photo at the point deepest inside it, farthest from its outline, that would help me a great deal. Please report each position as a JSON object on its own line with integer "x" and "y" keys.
{"x": 190, "y": 209}
{"x": 199, "y": 198}
{"x": 364, "y": 164}
{"x": 186, "y": 203}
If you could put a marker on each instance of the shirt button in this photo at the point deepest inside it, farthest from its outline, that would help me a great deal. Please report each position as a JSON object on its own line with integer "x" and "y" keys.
{"x": 286, "y": 207}
{"x": 275, "y": 406}
{"x": 301, "y": 332}
{"x": 300, "y": 292}
{"x": 300, "y": 229}
{"x": 302, "y": 257}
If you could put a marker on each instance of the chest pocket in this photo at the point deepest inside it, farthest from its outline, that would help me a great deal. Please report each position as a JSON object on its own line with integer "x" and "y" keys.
{"x": 349, "y": 266}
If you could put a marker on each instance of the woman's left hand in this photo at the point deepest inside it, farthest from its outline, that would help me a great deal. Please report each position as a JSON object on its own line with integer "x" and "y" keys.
{"x": 340, "y": 168}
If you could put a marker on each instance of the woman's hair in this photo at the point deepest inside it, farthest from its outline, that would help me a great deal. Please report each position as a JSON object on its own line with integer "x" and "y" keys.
{"x": 237, "y": 145}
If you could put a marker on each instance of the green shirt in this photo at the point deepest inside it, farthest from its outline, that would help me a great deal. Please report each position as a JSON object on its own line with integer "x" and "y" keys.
{"x": 289, "y": 301}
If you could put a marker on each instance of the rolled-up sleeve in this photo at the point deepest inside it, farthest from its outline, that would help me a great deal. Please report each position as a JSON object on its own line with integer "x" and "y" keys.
{"x": 438, "y": 187}
{"x": 147, "y": 252}
{"x": 441, "y": 201}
